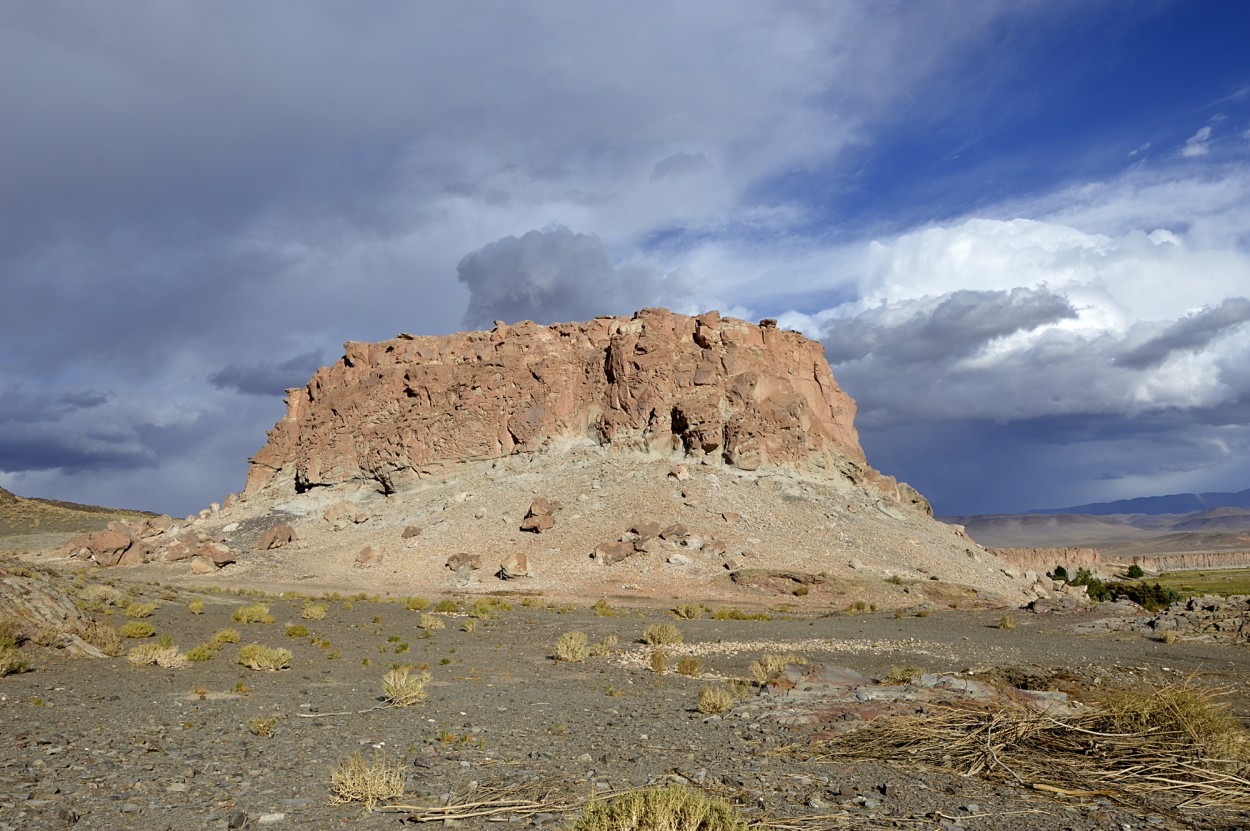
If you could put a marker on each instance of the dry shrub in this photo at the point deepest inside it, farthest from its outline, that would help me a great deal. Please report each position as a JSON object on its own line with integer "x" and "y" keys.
{"x": 770, "y": 664}
{"x": 661, "y": 808}
{"x": 11, "y": 634}
{"x": 688, "y": 611}
{"x": 259, "y": 657}
{"x": 571, "y": 647}
{"x": 203, "y": 652}
{"x": 314, "y": 611}
{"x": 714, "y": 699}
{"x": 903, "y": 675}
{"x": 1007, "y": 622}
{"x": 224, "y": 636}
{"x": 262, "y": 726}
{"x": 136, "y": 609}
{"x": 430, "y": 622}
{"x": 690, "y": 666}
{"x": 12, "y": 662}
{"x": 661, "y": 634}
{"x": 403, "y": 689}
{"x": 137, "y": 629}
{"x": 356, "y": 780}
{"x": 1176, "y": 743}
{"x": 603, "y": 646}
{"x": 99, "y": 595}
{"x": 468, "y": 625}
{"x": 255, "y": 613}
{"x": 1171, "y": 636}
{"x": 103, "y": 637}
{"x": 659, "y": 660}
{"x": 296, "y": 630}
{"x": 154, "y": 654}
{"x": 417, "y": 604}
{"x": 196, "y": 606}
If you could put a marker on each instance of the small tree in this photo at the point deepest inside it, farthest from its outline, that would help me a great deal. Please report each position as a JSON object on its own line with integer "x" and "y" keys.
{"x": 1060, "y": 573}
{"x": 1135, "y": 572}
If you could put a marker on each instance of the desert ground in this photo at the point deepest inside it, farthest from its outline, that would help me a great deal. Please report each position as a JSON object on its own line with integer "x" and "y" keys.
{"x": 508, "y": 736}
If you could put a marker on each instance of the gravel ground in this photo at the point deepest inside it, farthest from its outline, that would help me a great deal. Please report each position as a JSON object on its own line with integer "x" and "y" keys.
{"x": 102, "y": 744}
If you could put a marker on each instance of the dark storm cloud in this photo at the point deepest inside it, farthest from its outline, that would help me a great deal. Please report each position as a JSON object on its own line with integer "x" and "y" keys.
{"x": 956, "y": 325}
{"x": 35, "y": 408}
{"x": 549, "y": 276}
{"x": 1191, "y": 333}
{"x": 38, "y": 448}
{"x": 267, "y": 379}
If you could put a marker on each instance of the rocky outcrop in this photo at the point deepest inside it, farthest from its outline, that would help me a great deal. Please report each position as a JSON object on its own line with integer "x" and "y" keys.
{"x": 1044, "y": 560}
{"x": 394, "y": 412}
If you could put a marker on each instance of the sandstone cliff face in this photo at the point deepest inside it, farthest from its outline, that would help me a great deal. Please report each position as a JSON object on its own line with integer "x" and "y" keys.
{"x": 751, "y": 396}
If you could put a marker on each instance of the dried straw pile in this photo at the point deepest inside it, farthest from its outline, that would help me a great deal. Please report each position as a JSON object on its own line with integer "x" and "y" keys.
{"x": 1176, "y": 742}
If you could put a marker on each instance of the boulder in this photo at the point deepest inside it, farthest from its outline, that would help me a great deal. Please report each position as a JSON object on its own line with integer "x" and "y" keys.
{"x": 458, "y": 561}
{"x": 410, "y": 532}
{"x": 367, "y": 557}
{"x": 538, "y": 524}
{"x": 202, "y": 565}
{"x": 344, "y": 513}
{"x": 276, "y": 537}
{"x": 609, "y": 553}
{"x": 646, "y": 530}
{"x": 514, "y": 566}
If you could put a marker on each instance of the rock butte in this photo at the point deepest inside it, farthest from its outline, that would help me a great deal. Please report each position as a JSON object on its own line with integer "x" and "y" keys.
{"x": 651, "y": 456}
{"x": 710, "y": 387}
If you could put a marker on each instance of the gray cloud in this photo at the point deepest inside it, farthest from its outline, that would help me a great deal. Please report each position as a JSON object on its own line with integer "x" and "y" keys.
{"x": 1191, "y": 333}
{"x": 955, "y": 325}
{"x": 267, "y": 379}
{"x": 680, "y": 164}
{"x": 548, "y": 276}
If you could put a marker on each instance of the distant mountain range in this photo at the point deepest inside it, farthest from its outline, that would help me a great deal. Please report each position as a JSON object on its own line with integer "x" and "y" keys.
{"x": 1176, "y": 503}
{"x": 1178, "y": 523}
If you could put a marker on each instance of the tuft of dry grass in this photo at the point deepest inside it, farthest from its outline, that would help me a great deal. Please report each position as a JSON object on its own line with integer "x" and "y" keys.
{"x": 571, "y": 647}
{"x": 690, "y": 666}
{"x": 255, "y": 613}
{"x": 224, "y": 636}
{"x": 1007, "y": 622}
{"x": 314, "y": 611}
{"x": 770, "y": 664}
{"x": 661, "y": 634}
{"x": 137, "y": 629}
{"x": 715, "y": 699}
{"x": 403, "y": 689}
{"x": 659, "y": 660}
{"x": 103, "y": 637}
{"x": 355, "y": 780}
{"x": 12, "y": 662}
{"x": 262, "y": 726}
{"x": 1176, "y": 743}
{"x": 259, "y": 657}
{"x": 903, "y": 675}
{"x": 154, "y": 654}
{"x": 660, "y": 808}
{"x": 196, "y": 606}
{"x": 602, "y": 646}
{"x": 689, "y": 611}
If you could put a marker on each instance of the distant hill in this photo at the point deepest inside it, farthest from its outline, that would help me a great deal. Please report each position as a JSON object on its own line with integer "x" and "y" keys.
{"x": 1189, "y": 522}
{"x": 1176, "y": 503}
{"x": 20, "y": 515}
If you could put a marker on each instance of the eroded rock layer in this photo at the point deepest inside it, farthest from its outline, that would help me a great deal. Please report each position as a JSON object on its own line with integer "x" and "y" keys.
{"x": 752, "y": 396}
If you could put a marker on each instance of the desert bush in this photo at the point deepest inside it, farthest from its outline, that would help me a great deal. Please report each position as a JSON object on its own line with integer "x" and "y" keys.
{"x": 1135, "y": 572}
{"x": 356, "y": 780}
{"x": 571, "y": 647}
{"x": 469, "y": 625}
{"x": 417, "y": 604}
{"x": 98, "y": 595}
{"x": 12, "y": 662}
{"x": 314, "y": 611}
{"x": 1007, "y": 622}
{"x": 259, "y": 657}
{"x": 602, "y": 646}
{"x": 196, "y": 606}
{"x": 856, "y": 607}
{"x": 11, "y": 635}
{"x": 103, "y": 637}
{"x": 738, "y": 614}
{"x": 690, "y": 666}
{"x": 255, "y": 613}
{"x": 198, "y": 654}
{"x": 403, "y": 689}
{"x": 602, "y": 609}
{"x": 660, "y": 808}
{"x": 770, "y": 664}
{"x": 903, "y": 675}
{"x": 688, "y": 611}
{"x": 714, "y": 700}
{"x": 431, "y": 622}
{"x": 659, "y": 660}
{"x": 661, "y": 634}
{"x": 137, "y": 629}
{"x": 262, "y": 726}
{"x": 899, "y": 613}
{"x": 296, "y": 630}
{"x": 1171, "y": 636}
{"x": 224, "y": 636}
{"x": 448, "y": 606}
{"x": 150, "y": 654}
{"x": 136, "y": 609}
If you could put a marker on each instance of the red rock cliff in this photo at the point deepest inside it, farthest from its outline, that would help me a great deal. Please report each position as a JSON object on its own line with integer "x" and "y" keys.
{"x": 751, "y": 396}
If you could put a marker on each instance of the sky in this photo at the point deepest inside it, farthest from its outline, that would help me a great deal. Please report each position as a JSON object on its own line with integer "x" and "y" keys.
{"x": 1021, "y": 228}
